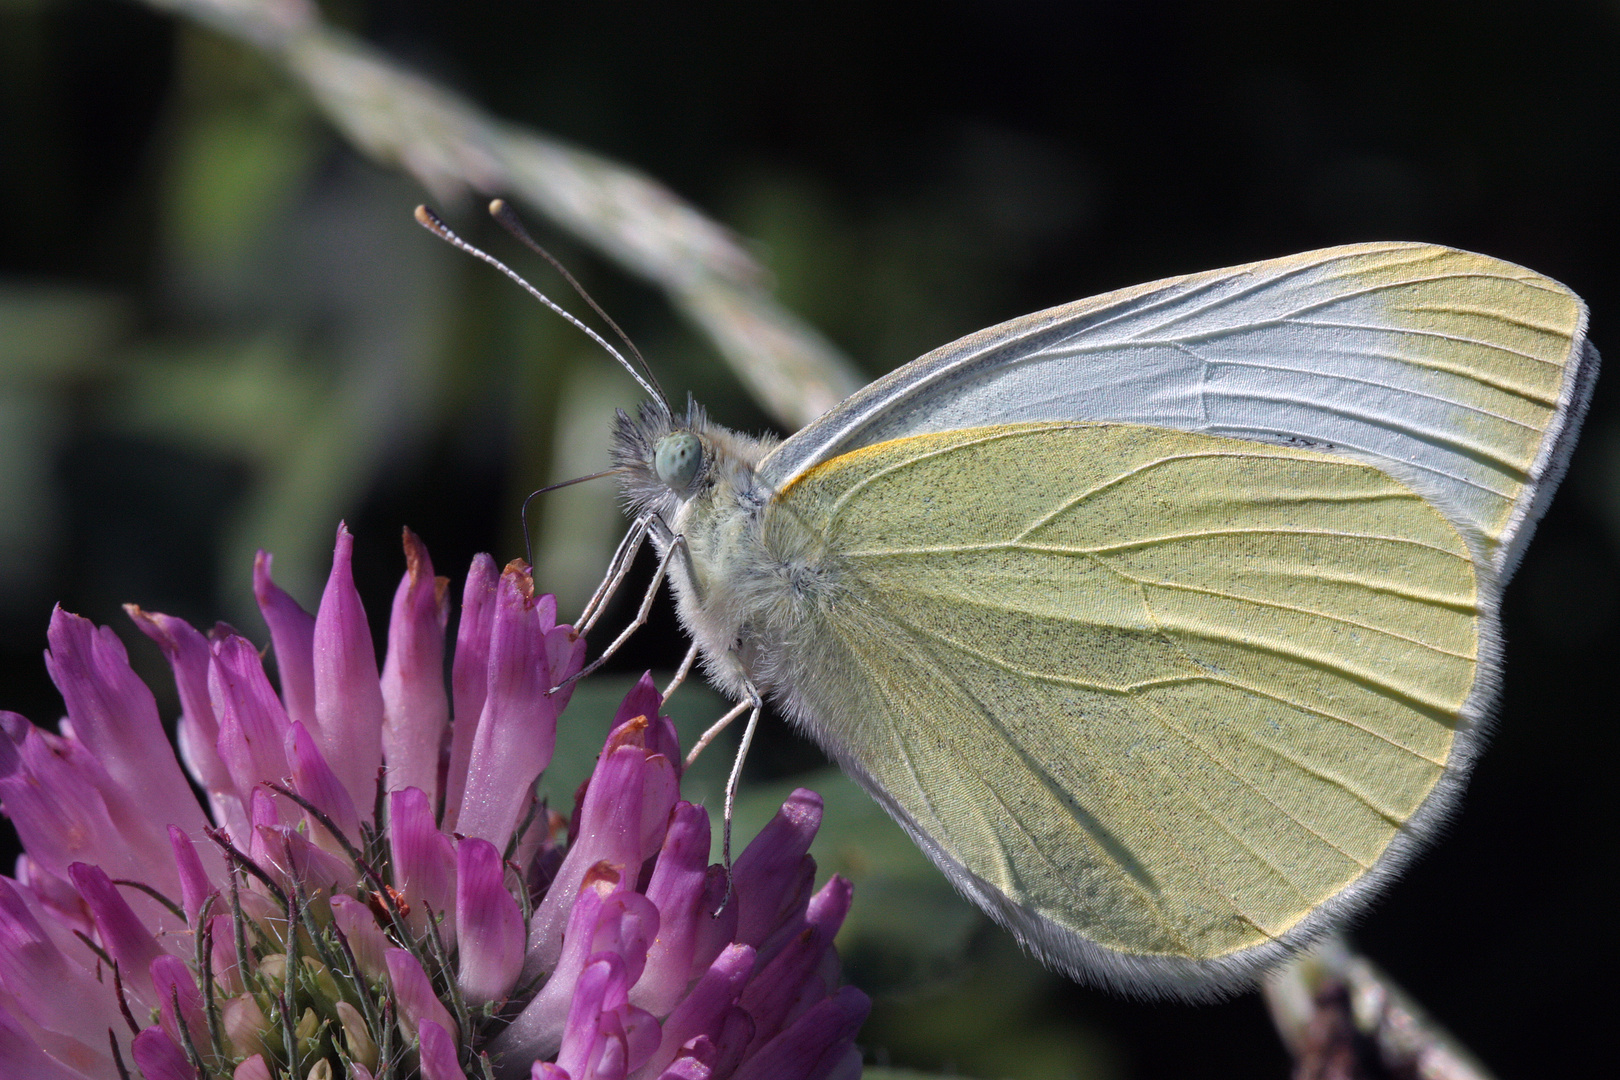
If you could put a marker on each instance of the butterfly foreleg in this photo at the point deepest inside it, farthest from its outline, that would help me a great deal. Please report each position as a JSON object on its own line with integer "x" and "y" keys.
{"x": 623, "y": 558}
{"x": 675, "y": 544}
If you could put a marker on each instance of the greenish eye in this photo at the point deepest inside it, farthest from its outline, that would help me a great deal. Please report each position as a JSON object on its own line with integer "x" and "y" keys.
{"x": 676, "y": 459}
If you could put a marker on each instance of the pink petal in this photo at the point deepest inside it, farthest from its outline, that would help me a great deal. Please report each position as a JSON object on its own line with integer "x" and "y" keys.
{"x": 160, "y": 1057}
{"x": 424, "y": 862}
{"x": 489, "y": 924}
{"x": 56, "y": 897}
{"x": 677, "y": 888}
{"x": 609, "y": 832}
{"x": 252, "y": 723}
{"x": 115, "y": 716}
{"x": 49, "y": 788}
{"x": 826, "y": 912}
{"x": 538, "y": 1029}
{"x": 366, "y": 939}
{"x": 792, "y": 921}
{"x": 189, "y": 655}
{"x": 48, "y": 987}
{"x": 732, "y": 1033}
{"x": 688, "y": 1067}
{"x": 787, "y": 986}
{"x": 195, "y": 886}
{"x": 610, "y": 1057}
{"x": 518, "y": 729}
{"x": 661, "y": 786}
{"x": 348, "y": 698}
{"x": 292, "y": 636}
{"x": 264, "y": 818}
{"x": 768, "y": 875}
{"x": 830, "y": 905}
{"x": 469, "y": 676}
{"x": 314, "y": 779}
{"x": 565, "y": 651}
{"x": 222, "y": 955}
{"x": 290, "y": 857}
{"x": 415, "y": 708}
{"x": 254, "y": 1068}
{"x": 598, "y": 986}
{"x": 816, "y": 1044}
{"x": 704, "y": 1007}
{"x": 414, "y": 995}
{"x": 641, "y": 1036}
{"x": 715, "y": 931}
{"x": 627, "y": 926}
{"x": 21, "y": 1056}
{"x": 438, "y": 1053}
{"x": 120, "y": 930}
{"x": 173, "y": 981}
{"x": 644, "y": 699}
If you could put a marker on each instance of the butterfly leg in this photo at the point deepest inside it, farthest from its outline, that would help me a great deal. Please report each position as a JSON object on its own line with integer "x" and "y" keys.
{"x": 618, "y": 567}
{"x": 676, "y": 544}
{"x": 680, "y": 676}
{"x": 715, "y": 729}
{"x": 755, "y": 705}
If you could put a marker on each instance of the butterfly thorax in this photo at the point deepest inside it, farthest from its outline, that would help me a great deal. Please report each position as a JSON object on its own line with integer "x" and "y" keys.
{"x": 700, "y": 483}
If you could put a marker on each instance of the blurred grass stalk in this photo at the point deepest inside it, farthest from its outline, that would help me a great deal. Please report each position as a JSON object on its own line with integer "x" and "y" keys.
{"x": 390, "y": 371}
{"x": 455, "y": 150}
{"x": 1344, "y": 1019}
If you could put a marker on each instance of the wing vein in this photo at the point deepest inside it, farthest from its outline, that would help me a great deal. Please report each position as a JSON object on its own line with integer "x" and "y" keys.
{"x": 905, "y": 463}
{"x": 1101, "y": 843}
{"x": 1175, "y": 586}
{"x": 1051, "y": 782}
{"x": 1414, "y": 332}
{"x": 1407, "y": 391}
{"x": 1249, "y": 688}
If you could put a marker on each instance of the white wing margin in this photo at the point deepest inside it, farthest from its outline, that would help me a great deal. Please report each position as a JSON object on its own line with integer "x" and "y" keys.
{"x": 1463, "y": 375}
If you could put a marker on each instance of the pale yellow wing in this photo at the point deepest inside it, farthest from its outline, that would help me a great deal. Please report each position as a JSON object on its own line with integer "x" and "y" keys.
{"x": 1163, "y": 702}
{"x": 1465, "y": 375}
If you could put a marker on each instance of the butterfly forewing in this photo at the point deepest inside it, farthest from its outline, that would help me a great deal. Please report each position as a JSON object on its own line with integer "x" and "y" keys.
{"x": 1463, "y": 374}
{"x": 1162, "y": 692}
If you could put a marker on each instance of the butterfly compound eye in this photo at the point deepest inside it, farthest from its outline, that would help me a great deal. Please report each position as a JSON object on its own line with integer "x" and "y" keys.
{"x": 676, "y": 459}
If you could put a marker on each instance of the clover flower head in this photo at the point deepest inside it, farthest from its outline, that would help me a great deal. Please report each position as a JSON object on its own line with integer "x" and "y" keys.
{"x": 370, "y": 887}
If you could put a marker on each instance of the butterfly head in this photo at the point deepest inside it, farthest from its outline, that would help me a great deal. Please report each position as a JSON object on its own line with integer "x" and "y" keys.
{"x": 665, "y": 458}
{"x": 670, "y": 460}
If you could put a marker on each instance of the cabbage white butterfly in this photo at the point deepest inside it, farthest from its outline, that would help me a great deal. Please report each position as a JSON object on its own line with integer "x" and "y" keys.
{"x": 1165, "y": 622}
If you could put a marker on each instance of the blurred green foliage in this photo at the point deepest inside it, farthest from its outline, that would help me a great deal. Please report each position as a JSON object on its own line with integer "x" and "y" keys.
{"x": 220, "y": 331}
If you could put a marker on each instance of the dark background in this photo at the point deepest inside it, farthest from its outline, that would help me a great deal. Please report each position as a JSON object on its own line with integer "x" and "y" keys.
{"x": 906, "y": 178}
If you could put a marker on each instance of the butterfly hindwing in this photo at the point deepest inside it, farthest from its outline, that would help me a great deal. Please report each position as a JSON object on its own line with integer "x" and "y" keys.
{"x": 1169, "y": 694}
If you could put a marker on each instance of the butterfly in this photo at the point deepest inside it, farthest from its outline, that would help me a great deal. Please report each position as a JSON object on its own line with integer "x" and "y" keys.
{"x": 1165, "y": 622}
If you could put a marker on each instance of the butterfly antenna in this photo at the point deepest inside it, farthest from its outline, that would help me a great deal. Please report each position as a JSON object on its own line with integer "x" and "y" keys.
{"x": 434, "y": 224}
{"x": 528, "y": 546}
{"x": 502, "y": 211}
